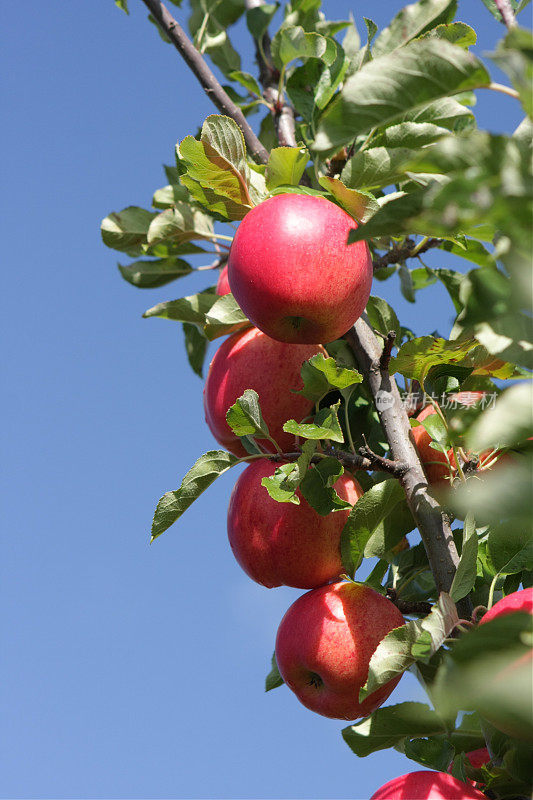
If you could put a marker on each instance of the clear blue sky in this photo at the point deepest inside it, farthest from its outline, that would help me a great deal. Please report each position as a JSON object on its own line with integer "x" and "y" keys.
{"x": 131, "y": 671}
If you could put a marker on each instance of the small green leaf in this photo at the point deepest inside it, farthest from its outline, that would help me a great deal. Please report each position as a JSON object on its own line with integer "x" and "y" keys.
{"x": 258, "y": 19}
{"x": 180, "y": 224}
{"x": 382, "y": 316}
{"x": 389, "y": 726}
{"x": 122, "y": 4}
{"x": 365, "y": 518}
{"x": 195, "y": 347}
{"x": 224, "y": 316}
{"x": 292, "y": 42}
{"x": 321, "y": 374}
{"x": 187, "y": 309}
{"x": 416, "y": 357}
{"x": 317, "y": 487}
{"x": 151, "y": 274}
{"x": 325, "y": 426}
{"x": 458, "y": 33}
{"x": 245, "y": 418}
{"x": 168, "y": 196}
{"x": 246, "y": 80}
{"x": 510, "y": 550}
{"x": 285, "y": 166}
{"x": 376, "y": 167}
{"x": 411, "y": 22}
{"x": 465, "y": 577}
{"x": 360, "y": 205}
{"x": 127, "y": 230}
{"x": 173, "y": 504}
{"x": 273, "y": 679}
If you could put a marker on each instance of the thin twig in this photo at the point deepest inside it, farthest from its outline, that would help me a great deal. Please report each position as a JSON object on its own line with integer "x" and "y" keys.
{"x": 409, "y": 606}
{"x": 382, "y": 464}
{"x": 350, "y": 461}
{"x": 400, "y": 253}
{"x": 385, "y": 357}
{"x": 200, "y": 68}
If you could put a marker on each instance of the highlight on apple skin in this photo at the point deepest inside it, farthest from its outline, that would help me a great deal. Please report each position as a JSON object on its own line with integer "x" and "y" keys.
{"x": 427, "y": 785}
{"x": 283, "y": 544}
{"x": 324, "y": 645}
{"x": 251, "y": 360}
{"x": 293, "y": 273}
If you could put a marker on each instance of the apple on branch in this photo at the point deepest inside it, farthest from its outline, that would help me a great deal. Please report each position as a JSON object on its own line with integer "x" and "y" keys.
{"x": 427, "y": 785}
{"x": 282, "y": 544}
{"x": 293, "y": 272}
{"x": 324, "y": 645}
{"x": 251, "y": 360}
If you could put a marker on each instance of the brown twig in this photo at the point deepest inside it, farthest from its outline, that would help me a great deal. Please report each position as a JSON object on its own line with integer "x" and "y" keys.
{"x": 409, "y": 606}
{"x": 350, "y": 461}
{"x": 385, "y": 357}
{"x": 283, "y": 112}
{"x": 506, "y": 11}
{"x": 433, "y": 525}
{"x": 200, "y": 68}
{"x": 400, "y": 253}
{"x": 396, "y": 468}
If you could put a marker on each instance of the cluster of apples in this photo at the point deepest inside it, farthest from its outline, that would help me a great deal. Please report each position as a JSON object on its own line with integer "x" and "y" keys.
{"x": 300, "y": 284}
{"x": 293, "y": 274}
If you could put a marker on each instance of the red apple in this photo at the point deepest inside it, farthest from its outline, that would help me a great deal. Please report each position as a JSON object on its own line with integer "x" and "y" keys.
{"x": 222, "y": 287}
{"x": 476, "y": 759}
{"x": 324, "y": 645}
{"x": 434, "y": 462}
{"x": 426, "y": 785}
{"x": 251, "y": 360}
{"x": 517, "y": 601}
{"x": 293, "y": 273}
{"x": 283, "y": 544}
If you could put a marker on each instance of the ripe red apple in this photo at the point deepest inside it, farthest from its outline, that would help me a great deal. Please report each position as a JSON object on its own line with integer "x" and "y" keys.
{"x": 293, "y": 273}
{"x": 251, "y": 360}
{"x": 324, "y": 645}
{"x": 517, "y": 601}
{"x": 222, "y": 287}
{"x": 427, "y": 785}
{"x": 283, "y": 544}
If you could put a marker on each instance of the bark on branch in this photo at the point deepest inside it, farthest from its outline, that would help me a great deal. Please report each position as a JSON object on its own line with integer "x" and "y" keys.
{"x": 401, "y": 252}
{"x": 432, "y": 523}
{"x": 200, "y": 68}
{"x": 506, "y": 11}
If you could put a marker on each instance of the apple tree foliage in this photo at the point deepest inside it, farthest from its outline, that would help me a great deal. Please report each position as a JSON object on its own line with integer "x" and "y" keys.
{"x": 385, "y": 128}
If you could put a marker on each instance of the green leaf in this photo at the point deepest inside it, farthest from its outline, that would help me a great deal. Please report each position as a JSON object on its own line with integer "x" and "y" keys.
{"x": 292, "y": 42}
{"x": 186, "y": 309}
{"x": 365, "y": 518}
{"x": 416, "y": 357}
{"x": 258, "y": 19}
{"x": 325, "y": 426}
{"x": 122, "y": 4}
{"x": 515, "y": 56}
{"x": 388, "y": 87}
{"x": 465, "y": 577}
{"x": 286, "y": 166}
{"x": 389, "y": 726}
{"x": 321, "y": 374}
{"x": 360, "y": 205}
{"x": 390, "y": 532}
{"x": 224, "y": 317}
{"x": 376, "y": 167}
{"x": 168, "y": 196}
{"x": 418, "y": 639}
{"x": 330, "y": 77}
{"x": 382, "y": 316}
{"x": 195, "y": 347}
{"x": 411, "y": 22}
{"x": 245, "y": 418}
{"x": 458, "y": 33}
{"x": 510, "y": 551}
{"x": 180, "y": 224}
{"x": 246, "y": 80}
{"x": 273, "y": 679}
{"x": 435, "y": 752}
{"x": 173, "y": 504}
{"x": 508, "y": 423}
{"x": 317, "y": 487}
{"x": 397, "y": 216}
{"x": 407, "y": 135}
{"x": 126, "y": 230}
{"x": 282, "y": 485}
{"x": 150, "y": 274}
